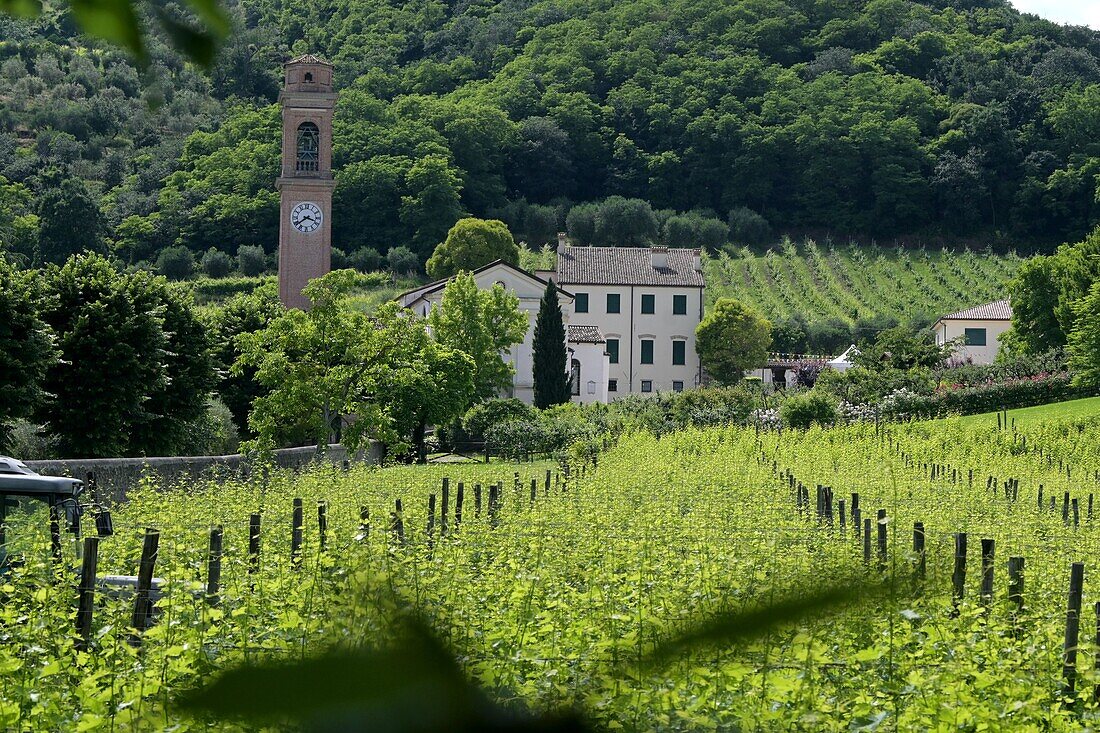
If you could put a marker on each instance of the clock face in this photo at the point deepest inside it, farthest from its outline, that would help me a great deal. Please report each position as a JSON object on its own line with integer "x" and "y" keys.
{"x": 306, "y": 217}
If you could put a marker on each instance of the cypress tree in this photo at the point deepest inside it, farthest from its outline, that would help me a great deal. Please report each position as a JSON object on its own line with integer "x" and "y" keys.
{"x": 551, "y": 379}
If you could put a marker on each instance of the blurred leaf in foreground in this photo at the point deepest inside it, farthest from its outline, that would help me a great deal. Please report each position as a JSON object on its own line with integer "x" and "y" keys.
{"x": 120, "y": 22}
{"x": 413, "y": 685}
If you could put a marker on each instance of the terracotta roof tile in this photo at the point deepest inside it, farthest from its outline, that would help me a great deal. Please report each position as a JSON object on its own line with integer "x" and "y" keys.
{"x": 626, "y": 266}
{"x": 307, "y": 58}
{"x": 999, "y": 310}
{"x": 579, "y": 334}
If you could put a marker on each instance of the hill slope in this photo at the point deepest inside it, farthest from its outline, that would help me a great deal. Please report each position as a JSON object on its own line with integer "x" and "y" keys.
{"x": 957, "y": 119}
{"x": 837, "y": 295}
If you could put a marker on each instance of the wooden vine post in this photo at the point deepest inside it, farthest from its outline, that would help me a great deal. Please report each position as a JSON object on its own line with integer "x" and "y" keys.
{"x": 988, "y": 547}
{"x": 958, "y": 576}
{"x": 143, "y": 604}
{"x": 296, "y": 535}
{"x": 1016, "y": 591}
{"x": 1073, "y": 624}
{"x": 86, "y": 600}
{"x": 918, "y": 550}
{"x": 214, "y": 566}
{"x": 253, "y": 544}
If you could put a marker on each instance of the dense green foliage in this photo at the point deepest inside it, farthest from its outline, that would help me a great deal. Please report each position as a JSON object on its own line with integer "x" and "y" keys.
{"x": 483, "y": 324}
{"x": 732, "y": 339}
{"x": 551, "y": 380}
{"x": 333, "y": 374}
{"x": 552, "y": 603}
{"x": 878, "y": 117}
{"x": 26, "y": 349}
{"x": 470, "y": 244}
{"x": 134, "y": 366}
{"x": 1052, "y": 305}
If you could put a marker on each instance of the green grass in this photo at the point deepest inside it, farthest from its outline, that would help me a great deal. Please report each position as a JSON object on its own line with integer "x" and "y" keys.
{"x": 850, "y": 283}
{"x": 1042, "y": 413}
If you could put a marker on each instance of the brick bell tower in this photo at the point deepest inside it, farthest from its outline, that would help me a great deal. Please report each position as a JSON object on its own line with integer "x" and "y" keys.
{"x": 305, "y": 184}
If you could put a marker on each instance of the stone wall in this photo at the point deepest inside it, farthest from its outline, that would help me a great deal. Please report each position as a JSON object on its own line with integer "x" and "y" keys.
{"x": 115, "y": 476}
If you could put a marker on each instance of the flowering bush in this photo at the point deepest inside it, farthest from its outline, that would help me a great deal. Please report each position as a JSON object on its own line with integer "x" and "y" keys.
{"x": 956, "y": 399}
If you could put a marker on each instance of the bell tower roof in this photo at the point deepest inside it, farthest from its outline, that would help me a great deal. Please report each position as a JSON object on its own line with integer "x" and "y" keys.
{"x": 308, "y": 58}
{"x": 307, "y": 73}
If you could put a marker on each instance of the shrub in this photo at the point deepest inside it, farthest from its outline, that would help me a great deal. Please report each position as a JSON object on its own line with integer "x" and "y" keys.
{"x": 402, "y": 260}
{"x": 338, "y": 259}
{"x": 479, "y": 418}
{"x": 1039, "y": 389}
{"x": 251, "y": 260}
{"x": 810, "y": 408}
{"x": 176, "y": 263}
{"x": 216, "y": 263}
{"x": 748, "y": 227}
{"x": 365, "y": 259}
{"x": 516, "y": 438}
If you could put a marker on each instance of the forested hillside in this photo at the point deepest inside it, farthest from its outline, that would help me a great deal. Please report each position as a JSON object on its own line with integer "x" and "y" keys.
{"x": 956, "y": 121}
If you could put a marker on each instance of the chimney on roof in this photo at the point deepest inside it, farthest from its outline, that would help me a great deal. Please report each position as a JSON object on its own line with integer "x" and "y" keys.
{"x": 697, "y": 260}
{"x": 658, "y": 257}
{"x": 562, "y": 242}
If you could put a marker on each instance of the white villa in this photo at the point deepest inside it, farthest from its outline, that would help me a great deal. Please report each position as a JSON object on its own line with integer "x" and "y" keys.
{"x": 977, "y": 329}
{"x": 630, "y": 317}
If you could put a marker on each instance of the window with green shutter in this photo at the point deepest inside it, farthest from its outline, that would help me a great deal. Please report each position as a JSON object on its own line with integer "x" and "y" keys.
{"x": 679, "y": 305}
{"x": 974, "y": 337}
{"x": 613, "y": 351}
{"x": 649, "y": 304}
{"x": 612, "y": 302}
{"x": 647, "y": 351}
{"x": 679, "y": 353}
{"x": 580, "y": 303}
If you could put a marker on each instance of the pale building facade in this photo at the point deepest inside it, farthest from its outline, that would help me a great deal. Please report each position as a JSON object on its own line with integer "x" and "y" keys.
{"x": 977, "y": 331}
{"x": 630, "y": 317}
{"x": 647, "y": 303}
{"x": 528, "y": 288}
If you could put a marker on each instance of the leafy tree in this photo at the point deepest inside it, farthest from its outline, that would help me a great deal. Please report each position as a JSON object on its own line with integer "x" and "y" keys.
{"x": 365, "y": 260}
{"x": 543, "y": 167}
{"x": 1034, "y": 295}
{"x": 177, "y": 405}
{"x": 622, "y": 222}
{"x": 581, "y": 223}
{"x": 552, "y": 381}
{"x": 323, "y": 366}
{"x": 26, "y": 348}
{"x": 432, "y": 204}
{"x": 901, "y": 348}
{"x": 240, "y": 314}
{"x": 139, "y": 341}
{"x": 176, "y": 263}
{"x": 1084, "y": 341}
{"x": 484, "y": 324}
{"x": 216, "y": 263}
{"x": 748, "y": 227}
{"x": 470, "y": 244}
{"x": 70, "y": 221}
{"x": 318, "y": 367}
{"x": 732, "y": 339}
{"x": 251, "y": 260}
{"x": 540, "y": 224}
{"x": 425, "y": 382}
{"x": 402, "y": 261}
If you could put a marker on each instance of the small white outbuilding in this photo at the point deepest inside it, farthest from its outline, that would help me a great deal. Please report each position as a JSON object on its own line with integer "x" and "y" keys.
{"x": 977, "y": 330}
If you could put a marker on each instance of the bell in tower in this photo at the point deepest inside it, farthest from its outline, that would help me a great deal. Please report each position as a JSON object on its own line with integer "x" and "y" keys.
{"x": 305, "y": 183}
